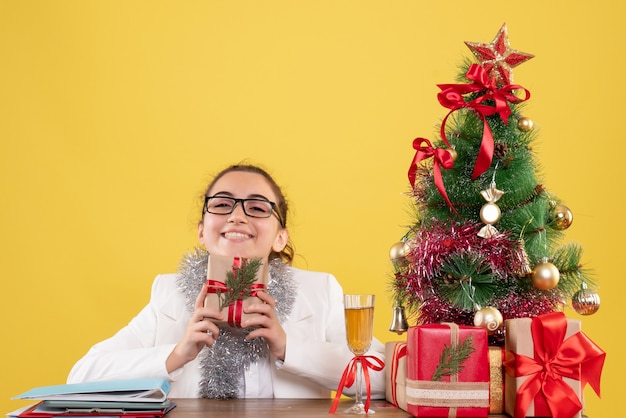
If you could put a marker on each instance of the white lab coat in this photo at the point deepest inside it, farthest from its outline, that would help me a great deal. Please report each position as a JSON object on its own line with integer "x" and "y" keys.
{"x": 316, "y": 351}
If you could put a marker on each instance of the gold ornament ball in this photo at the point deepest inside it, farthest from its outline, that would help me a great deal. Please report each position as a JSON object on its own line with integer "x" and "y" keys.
{"x": 488, "y": 318}
{"x": 586, "y": 301}
{"x": 490, "y": 213}
{"x": 398, "y": 251}
{"x": 545, "y": 276}
{"x": 524, "y": 124}
{"x": 561, "y": 217}
{"x": 453, "y": 153}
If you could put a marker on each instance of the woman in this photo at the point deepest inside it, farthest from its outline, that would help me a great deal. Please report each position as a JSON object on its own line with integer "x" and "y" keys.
{"x": 295, "y": 345}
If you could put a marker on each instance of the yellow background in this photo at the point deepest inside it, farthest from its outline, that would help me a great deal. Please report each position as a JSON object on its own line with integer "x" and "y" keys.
{"x": 115, "y": 114}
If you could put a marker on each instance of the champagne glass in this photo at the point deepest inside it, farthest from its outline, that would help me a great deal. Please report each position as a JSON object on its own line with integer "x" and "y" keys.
{"x": 359, "y": 311}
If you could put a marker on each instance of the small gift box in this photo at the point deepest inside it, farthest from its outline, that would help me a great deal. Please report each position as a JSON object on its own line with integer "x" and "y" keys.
{"x": 548, "y": 361}
{"x": 496, "y": 380}
{"x": 232, "y": 285}
{"x": 447, "y": 371}
{"x": 395, "y": 373}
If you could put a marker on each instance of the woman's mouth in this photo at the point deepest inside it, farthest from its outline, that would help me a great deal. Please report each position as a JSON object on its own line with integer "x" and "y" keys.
{"x": 236, "y": 235}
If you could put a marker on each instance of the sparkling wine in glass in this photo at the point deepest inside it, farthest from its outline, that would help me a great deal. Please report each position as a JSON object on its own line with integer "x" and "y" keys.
{"x": 359, "y": 311}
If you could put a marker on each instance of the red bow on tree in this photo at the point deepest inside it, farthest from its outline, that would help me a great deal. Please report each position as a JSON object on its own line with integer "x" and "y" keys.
{"x": 577, "y": 357}
{"x": 494, "y": 100}
{"x": 441, "y": 158}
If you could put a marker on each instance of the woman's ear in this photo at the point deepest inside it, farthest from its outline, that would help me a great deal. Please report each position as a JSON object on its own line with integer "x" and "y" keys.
{"x": 281, "y": 240}
{"x": 201, "y": 232}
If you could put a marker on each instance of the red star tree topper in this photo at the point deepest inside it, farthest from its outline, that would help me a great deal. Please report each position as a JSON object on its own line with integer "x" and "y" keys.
{"x": 497, "y": 58}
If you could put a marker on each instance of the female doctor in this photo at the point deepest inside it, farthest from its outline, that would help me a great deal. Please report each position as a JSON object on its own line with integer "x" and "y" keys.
{"x": 295, "y": 347}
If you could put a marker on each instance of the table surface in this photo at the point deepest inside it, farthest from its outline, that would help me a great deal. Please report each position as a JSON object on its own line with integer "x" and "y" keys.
{"x": 300, "y": 408}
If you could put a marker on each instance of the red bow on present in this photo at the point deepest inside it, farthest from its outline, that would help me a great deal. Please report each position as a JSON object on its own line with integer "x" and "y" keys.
{"x": 451, "y": 97}
{"x": 441, "y": 158}
{"x": 349, "y": 376}
{"x": 577, "y": 357}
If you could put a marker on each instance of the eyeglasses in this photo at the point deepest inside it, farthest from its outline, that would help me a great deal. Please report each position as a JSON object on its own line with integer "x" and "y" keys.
{"x": 255, "y": 208}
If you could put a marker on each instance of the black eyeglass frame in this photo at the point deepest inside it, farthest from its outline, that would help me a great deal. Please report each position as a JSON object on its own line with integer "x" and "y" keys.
{"x": 205, "y": 208}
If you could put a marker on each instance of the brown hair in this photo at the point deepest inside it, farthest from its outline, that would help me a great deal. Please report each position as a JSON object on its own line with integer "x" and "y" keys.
{"x": 287, "y": 254}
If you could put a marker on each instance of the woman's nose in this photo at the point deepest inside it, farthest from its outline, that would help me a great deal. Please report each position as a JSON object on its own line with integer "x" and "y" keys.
{"x": 238, "y": 214}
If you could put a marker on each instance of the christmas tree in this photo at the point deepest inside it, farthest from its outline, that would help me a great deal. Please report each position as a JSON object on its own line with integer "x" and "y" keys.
{"x": 486, "y": 241}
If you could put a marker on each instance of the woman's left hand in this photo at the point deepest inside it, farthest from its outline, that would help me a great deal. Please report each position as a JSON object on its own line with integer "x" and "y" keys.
{"x": 268, "y": 323}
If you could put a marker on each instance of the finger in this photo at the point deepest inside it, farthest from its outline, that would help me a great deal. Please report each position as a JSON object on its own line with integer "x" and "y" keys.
{"x": 208, "y": 313}
{"x": 208, "y": 338}
{"x": 258, "y": 321}
{"x": 211, "y": 336}
{"x": 267, "y": 298}
{"x": 199, "y": 326}
{"x": 212, "y": 330}
{"x": 256, "y": 333}
{"x": 259, "y": 308}
{"x": 205, "y": 332}
{"x": 201, "y": 297}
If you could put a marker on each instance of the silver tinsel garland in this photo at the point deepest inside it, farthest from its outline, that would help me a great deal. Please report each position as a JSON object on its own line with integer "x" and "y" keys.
{"x": 223, "y": 365}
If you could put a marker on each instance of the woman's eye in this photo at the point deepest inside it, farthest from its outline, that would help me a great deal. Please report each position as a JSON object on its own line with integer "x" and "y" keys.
{"x": 259, "y": 207}
{"x": 222, "y": 204}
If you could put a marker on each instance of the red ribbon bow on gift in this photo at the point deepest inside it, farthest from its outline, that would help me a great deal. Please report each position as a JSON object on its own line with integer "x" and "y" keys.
{"x": 349, "y": 376}
{"x": 577, "y": 357}
{"x": 451, "y": 97}
{"x": 235, "y": 310}
{"x": 441, "y": 158}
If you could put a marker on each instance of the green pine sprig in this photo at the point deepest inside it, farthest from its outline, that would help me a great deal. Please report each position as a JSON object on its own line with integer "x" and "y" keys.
{"x": 238, "y": 281}
{"x": 466, "y": 281}
{"x": 452, "y": 358}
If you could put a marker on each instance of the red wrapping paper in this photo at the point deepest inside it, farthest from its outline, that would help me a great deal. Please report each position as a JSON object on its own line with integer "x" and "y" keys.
{"x": 395, "y": 373}
{"x": 548, "y": 361}
{"x": 463, "y": 395}
{"x": 217, "y": 269}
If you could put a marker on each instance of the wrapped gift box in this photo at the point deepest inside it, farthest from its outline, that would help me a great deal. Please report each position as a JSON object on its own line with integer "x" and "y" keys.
{"x": 218, "y": 269}
{"x": 496, "y": 380}
{"x": 548, "y": 361}
{"x": 395, "y": 373}
{"x": 464, "y": 393}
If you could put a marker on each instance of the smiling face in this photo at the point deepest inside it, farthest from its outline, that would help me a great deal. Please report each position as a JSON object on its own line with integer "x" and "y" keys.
{"x": 236, "y": 234}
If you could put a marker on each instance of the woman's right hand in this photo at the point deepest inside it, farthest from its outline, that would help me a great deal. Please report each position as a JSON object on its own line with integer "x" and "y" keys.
{"x": 200, "y": 332}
